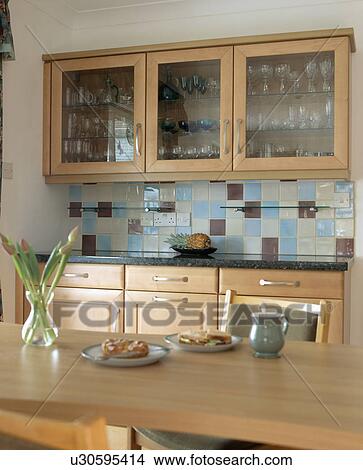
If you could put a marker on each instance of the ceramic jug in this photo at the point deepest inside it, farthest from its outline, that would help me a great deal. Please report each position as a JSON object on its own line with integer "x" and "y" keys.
{"x": 267, "y": 336}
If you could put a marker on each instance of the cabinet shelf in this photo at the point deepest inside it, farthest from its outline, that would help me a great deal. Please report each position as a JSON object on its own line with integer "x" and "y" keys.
{"x": 308, "y": 129}
{"x": 297, "y": 95}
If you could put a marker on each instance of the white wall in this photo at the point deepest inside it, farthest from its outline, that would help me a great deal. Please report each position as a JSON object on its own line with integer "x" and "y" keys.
{"x": 37, "y": 212}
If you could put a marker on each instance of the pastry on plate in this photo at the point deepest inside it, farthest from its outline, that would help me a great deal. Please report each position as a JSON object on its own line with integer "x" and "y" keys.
{"x": 205, "y": 338}
{"x": 127, "y": 347}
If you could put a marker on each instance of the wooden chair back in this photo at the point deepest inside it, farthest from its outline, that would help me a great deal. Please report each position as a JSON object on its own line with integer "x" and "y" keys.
{"x": 83, "y": 434}
{"x": 321, "y": 309}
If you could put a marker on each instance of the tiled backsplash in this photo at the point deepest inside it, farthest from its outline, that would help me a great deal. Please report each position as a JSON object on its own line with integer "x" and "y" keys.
{"x": 275, "y": 221}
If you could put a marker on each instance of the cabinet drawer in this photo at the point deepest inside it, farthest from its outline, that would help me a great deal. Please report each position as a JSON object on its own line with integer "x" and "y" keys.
{"x": 288, "y": 283}
{"x": 98, "y": 276}
{"x": 168, "y": 312}
{"x": 172, "y": 279}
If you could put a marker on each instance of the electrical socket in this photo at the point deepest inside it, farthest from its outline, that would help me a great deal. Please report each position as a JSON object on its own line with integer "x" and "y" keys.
{"x": 164, "y": 219}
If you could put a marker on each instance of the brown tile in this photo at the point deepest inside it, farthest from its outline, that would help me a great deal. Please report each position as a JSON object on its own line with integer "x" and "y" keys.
{"x": 167, "y": 206}
{"x": 75, "y": 209}
{"x": 270, "y": 246}
{"x": 253, "y": 210}
{"x": 105, "y": 209}
{"x": 88, "y": 245}
{"x": 304, "y": 212}
{"x": 135, "y": 227}
{"x": 217, "y": 226}
{"x": 345, "y": 247}
{"x": 234, "y": 191}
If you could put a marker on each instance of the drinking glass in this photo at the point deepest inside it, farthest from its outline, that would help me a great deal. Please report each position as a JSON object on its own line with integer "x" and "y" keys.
{"x": 183, "y": 85}
{"x": 294, "y": 77}
{"x": 268, "y": 150}
{"x": 266, "y": 72}
{"x": 292, "y": 121}
{"x": 281, "y": 71}
{"x": 251, "y": 72}
{"x": 329, "y": 113}
{"x": 326, "y": 70}
{"x": 311, "y": 69}
{"x": 302, "y": 117}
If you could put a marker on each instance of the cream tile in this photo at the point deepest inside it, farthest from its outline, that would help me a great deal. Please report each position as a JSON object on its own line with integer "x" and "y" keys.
{"x": 151, "y": 243}
{"x": 325, "y": 190}
{"x": 119, "y": 191}
{"x": 163, "y": 246}
{"x": 306, "y": 228}
{"x": 120, "y": 227}
{"x": 288, "y": 191}
{"x": 200, "y": 190}
{"x": 147, "y": 219}
{"x": 104, "y": 192}
{"x": 269, "y": 228}
{"x": 325, "y": 246}
{"x": 344, "y": 228}
{"x": 183, "y": 219}
{"x": 200, "y": 225}
{"x": 183, "y": 206}
{"x": 231, "y": 213}
{"x": 104, "y": 225}
{"x": 270, "y": 191}
{"x": 135, "y": 192}
{"x": 289, "y": 213}
{"x": 252, "y": 245}
{"x": 90, "y": 193}
{"x": 217, "y": 191}
{"x": 306, "y": 246}
{"x": 166, "y": 230}
{"x": 325, "y": 213}
{"x": 167, "y": 192}
{"x": 234, "y": 227}
{"x": 119, "y": 242}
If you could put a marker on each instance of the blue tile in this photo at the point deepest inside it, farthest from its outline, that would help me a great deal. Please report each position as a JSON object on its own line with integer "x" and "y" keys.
{"x": 75, "y": 193}
{"x": 288, "y": 227}
{"x": 104, "y": 242}
{"x": 187, "y": 230}
{"x": 134, "y": 242}
{"x": 270, "y": 213}
{"x": 307, "y": 190}
{"x": 252, "y": 191}
{"x": 219, "y": 243}
{"x": 287, "y": 246}
{"x": 253, "y": 227}
{"x": 91, "y": 214}
{"x": 89, "y": 226}
{"x": 344, "y": 213}
{"x": 215, "y": 210}
{"x": 119, "y": 213}
{"x": 183, "y": 192}
{"x": 151, "y": 204}
{"x": 344, "y": 187}
{"x": 151, "y": 230}
{"x": 325, "y": 228}
{"x": 151, "y": 192}
{"x": 200, "y": 210}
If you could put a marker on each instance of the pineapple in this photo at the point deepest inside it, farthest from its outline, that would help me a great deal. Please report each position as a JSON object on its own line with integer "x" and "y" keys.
{"x": 196, "y": 241}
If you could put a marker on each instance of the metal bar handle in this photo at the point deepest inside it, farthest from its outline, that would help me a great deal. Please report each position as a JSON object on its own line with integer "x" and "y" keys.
{"x": 238, "y": 136}
{"x": 170, "y": 279}
{"x": 76, "y": 275}
{"x": 163, "y": 299}
{"x": 264, "y": 282}
{"x": 225, "y": 140}
{"x": 137, "y": 139}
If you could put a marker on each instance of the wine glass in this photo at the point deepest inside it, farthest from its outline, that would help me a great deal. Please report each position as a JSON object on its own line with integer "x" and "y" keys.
{"x": 281, "y": 71}
{"x": 294, "y": 77}
{"x": 251, "y": 72}
{"x": 326, "y": 70}
{"x": 183, "y": 84}
{"x": 266, "y": 72}
{"x": 311, "y": 69}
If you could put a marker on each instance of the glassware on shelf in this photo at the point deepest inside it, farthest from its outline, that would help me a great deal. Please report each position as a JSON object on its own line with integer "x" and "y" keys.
{"x": 268, "y": 150}
{"x": 302, "y": 117}
{"x": 168, "y": 125}
{"x": 251, "y": 73}
{"x": 266, "y": 72}
{"x": 293, "y": 119}
{"x": 327, "y": 70}
{"x": 329, "y": 113}
{"x": 183, "y": 84}
{"x": 311, "y": 70}
{"x": 212, "y": 87}
{"x": 314, "y": 120}
{"x": 281, "y": 71}
{"x": 294, "y": 77}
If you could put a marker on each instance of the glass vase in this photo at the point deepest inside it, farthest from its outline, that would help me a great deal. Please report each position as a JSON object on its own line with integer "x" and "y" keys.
{"x": 39, "y": 328}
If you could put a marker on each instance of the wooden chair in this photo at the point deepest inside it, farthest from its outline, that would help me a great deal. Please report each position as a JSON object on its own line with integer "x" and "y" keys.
{"x": 19, "y": 431}
{"x": 316, "y": 329}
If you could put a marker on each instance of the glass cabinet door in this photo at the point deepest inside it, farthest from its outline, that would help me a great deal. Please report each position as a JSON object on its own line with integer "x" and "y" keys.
{"x": 291, "y": 105}
{"x": 189, "y": 124}
{"x": 98, "y": 114}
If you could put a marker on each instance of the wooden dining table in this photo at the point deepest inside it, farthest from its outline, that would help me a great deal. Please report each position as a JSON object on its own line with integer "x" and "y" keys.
{"x": 310, "y": 398}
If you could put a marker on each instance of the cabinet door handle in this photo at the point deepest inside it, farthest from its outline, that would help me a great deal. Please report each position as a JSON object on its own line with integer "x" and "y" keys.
{"x": 170, "y": 279}
{"x": 137, "y": 139}
{"x": 163, "y": 299}
{"x": 264, "y": 282}
{"x": 238, "y": 135}
{"x": 225, "y": 137}
{"x": 76, "y": 275}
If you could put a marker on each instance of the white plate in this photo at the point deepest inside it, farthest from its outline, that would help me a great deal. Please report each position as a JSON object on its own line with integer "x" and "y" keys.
{"x": 94, "y": 354}
{"x": 174, "y": 341}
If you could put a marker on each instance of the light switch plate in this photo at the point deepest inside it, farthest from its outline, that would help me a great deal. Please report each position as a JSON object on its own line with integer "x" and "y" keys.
{"x": 164, "y": 219}
{"x": 8, "y": 172}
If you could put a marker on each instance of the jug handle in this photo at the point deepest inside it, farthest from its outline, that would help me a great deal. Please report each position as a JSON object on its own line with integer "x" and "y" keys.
{"x": 285, "y": 325}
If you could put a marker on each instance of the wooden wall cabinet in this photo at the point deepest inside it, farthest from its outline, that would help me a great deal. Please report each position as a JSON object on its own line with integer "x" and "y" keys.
{"x": 232, "y": 110}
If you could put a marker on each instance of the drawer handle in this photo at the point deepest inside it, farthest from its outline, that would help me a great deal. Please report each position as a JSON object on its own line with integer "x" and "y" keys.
{"x": 264, "y": 282}
{"x": 75, "y": 275}
{"x": 163, "y": 299}
{"x": 170, "y": 279}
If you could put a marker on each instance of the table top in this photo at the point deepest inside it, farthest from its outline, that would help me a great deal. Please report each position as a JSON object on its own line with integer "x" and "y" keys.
{"x": 309, "y": 398}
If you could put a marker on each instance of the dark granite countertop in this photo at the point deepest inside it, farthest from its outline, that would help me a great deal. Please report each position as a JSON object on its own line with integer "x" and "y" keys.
{"x": 221, "y": 260}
